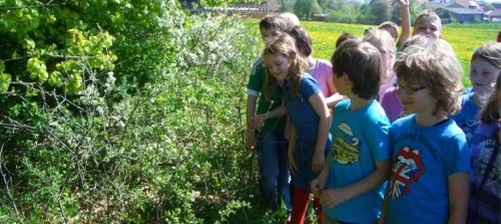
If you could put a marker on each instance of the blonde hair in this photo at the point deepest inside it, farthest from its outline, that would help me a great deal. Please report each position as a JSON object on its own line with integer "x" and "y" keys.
{"x": 285, "y": 45}
{"x": 291, "y": 19}
{"x": 384, "y": 39}
{"x": 435, "y": 66}
{"x": 419, "y": 40}
{"x": 392, "y": 26}
{"x": 489, "y": 52}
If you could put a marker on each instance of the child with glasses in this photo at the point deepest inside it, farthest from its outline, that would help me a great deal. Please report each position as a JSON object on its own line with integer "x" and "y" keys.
{"x": 351, "y": 184}
{"x": 431, "y": 159}
{"x": 427, "y": 25}
{"x": 389, "y": 100}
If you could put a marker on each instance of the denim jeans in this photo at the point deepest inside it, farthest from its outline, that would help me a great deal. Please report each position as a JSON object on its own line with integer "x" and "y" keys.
{"x": 273, "y": 169}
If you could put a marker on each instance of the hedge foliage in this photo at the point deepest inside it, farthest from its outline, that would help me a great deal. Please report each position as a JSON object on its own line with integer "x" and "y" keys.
{"x": 123, "y": 111}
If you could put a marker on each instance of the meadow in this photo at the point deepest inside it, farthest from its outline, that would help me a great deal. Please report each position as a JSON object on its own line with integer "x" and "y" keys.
{"x": 464, "y": 38}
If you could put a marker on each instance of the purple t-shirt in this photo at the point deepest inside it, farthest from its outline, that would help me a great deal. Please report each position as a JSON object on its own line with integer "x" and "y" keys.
{"x": 391, "y": 104}
{"x": 485, "y": 180}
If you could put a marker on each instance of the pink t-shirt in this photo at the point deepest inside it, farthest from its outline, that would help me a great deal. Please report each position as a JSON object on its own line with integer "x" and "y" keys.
{"x": 323, "y": 74}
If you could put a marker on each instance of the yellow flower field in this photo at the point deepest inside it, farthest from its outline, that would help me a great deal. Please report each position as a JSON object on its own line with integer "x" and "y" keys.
{"x": 464, "y": 38}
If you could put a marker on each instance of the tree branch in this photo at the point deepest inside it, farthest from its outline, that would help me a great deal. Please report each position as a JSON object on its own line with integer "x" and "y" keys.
{"x": 4, "y": 181}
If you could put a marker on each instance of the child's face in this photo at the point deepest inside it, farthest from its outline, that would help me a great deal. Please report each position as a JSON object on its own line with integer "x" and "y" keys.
{"x": 483, "y": 76}
{"x": 269, "y": 34}
{"x": 278, "y": 66}
{"x": 415, "y": 98}
{"x": 428, "y": 27}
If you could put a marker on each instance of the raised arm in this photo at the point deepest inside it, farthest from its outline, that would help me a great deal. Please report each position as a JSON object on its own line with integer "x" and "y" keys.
{"x": 406, "y": 21}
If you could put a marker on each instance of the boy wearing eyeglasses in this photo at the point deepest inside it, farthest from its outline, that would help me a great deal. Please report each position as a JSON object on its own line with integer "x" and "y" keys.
{"x": 431, "y": 160}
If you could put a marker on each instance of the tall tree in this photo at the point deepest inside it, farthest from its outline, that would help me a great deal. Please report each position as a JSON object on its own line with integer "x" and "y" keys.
{"x": 305, "y": 9}
{"x": 380, "y": 11}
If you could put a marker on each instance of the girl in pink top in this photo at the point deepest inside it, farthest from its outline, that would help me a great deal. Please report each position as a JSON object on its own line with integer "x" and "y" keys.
{"x": 320, "y": 69}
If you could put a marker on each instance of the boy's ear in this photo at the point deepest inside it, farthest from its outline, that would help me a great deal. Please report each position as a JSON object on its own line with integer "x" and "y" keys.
{"x": 346, "y": 79}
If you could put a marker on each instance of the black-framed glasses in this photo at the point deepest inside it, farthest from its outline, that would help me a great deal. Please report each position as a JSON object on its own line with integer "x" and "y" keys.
{"x": 408, "y": 89}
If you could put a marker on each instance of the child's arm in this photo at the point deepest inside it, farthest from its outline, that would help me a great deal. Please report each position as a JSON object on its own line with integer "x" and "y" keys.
{"x": 458, "y": 197}
{"x": 384, "y": 207}
{"x": 318, "y": 184}
{"x": 258, "y": 120}
{"x": 251, "y": 108}
{"x": 317, "y": 101}
{"x": 333, "y": 99}
{"x": 336, "y": 196}
{"x": 406, "y": 21}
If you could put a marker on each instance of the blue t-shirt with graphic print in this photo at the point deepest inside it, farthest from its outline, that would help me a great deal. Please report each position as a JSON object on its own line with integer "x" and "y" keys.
{"x": 423, "y": 158}
{"x": 360, "y": 138}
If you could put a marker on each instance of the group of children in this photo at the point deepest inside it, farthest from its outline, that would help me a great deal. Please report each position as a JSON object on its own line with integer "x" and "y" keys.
{"x": 372, "y": 134}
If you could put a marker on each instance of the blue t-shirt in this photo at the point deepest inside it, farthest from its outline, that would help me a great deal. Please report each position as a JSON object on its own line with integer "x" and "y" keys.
{"x": 423, "y": 158}
{"x": 302, "y": 115}
{"x": 467, "y": 118}
{"x": 360, "y": 137}
{"x": 305, "y": 120}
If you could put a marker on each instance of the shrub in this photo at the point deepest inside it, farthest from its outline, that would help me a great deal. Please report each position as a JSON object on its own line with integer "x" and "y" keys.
{"x": 156, "y": 138}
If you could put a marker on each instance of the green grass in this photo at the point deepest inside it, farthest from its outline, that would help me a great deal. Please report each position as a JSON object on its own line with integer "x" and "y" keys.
{"x": 464, "y": 38}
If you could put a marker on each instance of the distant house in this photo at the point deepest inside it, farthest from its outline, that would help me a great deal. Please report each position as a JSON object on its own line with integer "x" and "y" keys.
{"x": 493, "y": 15}
{"x": 462, "y": 11}
{"x": 244, "y": 9}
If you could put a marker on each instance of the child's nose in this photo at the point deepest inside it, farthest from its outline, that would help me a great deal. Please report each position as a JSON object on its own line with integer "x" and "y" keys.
{"x": 273, "y": 70}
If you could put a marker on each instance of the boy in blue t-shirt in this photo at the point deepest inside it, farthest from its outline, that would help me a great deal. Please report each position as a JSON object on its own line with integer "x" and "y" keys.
{"x": 431, "y": 160}
{"x": 351, "y": 184}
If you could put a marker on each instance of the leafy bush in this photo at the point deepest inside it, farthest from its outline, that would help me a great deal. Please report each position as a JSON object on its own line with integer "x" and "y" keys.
{"x": 341, "y": 17}
{"x": 107, "y": 119}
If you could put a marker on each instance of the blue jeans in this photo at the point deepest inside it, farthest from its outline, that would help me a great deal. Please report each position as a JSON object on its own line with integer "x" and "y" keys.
{"x": 273, "y": 169}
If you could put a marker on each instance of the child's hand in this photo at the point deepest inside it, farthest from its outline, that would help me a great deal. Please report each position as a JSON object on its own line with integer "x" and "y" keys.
{"x": 251, "y": 140}
{"x": 404, "y": 3}
{"x": 256, "y": 121}
{"x": 331, "y": 198}
{"x": 292, "y": 163}
{"x": 316, "y": 187}
{"x": 318, "y": 161}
